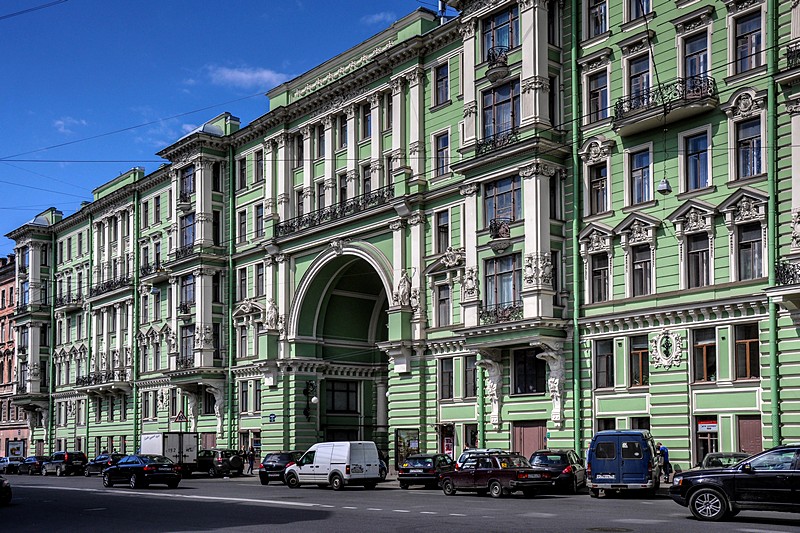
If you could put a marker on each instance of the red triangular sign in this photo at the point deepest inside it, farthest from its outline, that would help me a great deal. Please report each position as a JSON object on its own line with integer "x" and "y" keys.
{"x": 181, "y": 417}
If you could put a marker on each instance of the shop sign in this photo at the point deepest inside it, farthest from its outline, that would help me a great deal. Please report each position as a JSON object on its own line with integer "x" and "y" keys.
{"x": 707, "y": 426}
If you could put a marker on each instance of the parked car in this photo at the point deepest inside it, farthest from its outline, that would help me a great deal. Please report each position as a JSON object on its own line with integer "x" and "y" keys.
{"x": 10, "y": 465}
{"x": 101, "y": 462}
{"x": 563, "y": 468}
{"x": 220, "y": 462}
{"x": 721, "y": 459}
{"x": 622, "y": 460}
{"x": 474, "y": 451}
{"x": 33, "y": 464}
{"x": 764, "y": 482}
{"x": 140, "y": 471}
{"x": 336, "y": 464}
{"x": 495, "y": 474}
{"x": 274, "y": 464}
{"x": 65, "y": 463}
{"x": 424, "y": 469}
{"x": 5, "y": 491}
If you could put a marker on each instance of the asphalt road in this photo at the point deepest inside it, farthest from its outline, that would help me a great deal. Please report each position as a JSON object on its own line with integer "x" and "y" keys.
{"x": 241, "y": 504}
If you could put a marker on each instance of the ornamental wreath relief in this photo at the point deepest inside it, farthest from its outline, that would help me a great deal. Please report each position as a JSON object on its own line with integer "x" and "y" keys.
{"x": 665, "y": 349}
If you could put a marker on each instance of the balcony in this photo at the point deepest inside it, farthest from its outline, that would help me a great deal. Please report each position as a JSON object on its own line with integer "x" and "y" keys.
{"x": 665, "y": 104}
{"x": 185, "y": 310}
{"x": 497, "y": 68}
{"x": 498, "y": 313}
{"x": 109, "y": 286}
{"x": 789, "y": 71}
{"x": 183, "y": 252}
{"x": 337, "y": 211}
{"x": 70, "y": 302}
{"x": 23, "y": 271}
{"x": 787, "y": 288}
{"x": 184, "y": 362}
{"x": 105, "y": 381}
{"x": 500, "y": 233}
{"x": 27, "y": 308}
{"x": 185, "y": 201}
{"x": 497, "y": 141}
{"x": 153, "y": 273}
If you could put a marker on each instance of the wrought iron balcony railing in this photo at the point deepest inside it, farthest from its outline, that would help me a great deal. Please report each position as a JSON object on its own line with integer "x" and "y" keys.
{"x": 336, "y": 211}
{"x": 69, "y": 299}
{"x": 184, "y": 251}
{"x": 184, "y": 197}
{"x": 667, "y": 95}
{"x": 23, "y": 269}
{"x": 22, "y": 308}
{"x": 793, "y": 55}
{"x": 22, "y": 386}
{"x": 505, "y": 312}
{"x": 184, "y": 308}
{"x": 497, "y": 56}
{"x": 184, "y": 362}
{"x": 787, "y": 273}
{"x": 110, "y": 285}
{"x": 499, "y": 228}
{"x": 106, "y": 376}
{"x": 496, "y": 141}
{"x": 150, "y": 268}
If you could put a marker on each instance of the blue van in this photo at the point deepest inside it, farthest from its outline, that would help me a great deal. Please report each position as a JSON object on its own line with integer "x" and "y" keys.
{"x": 622, "y": 460}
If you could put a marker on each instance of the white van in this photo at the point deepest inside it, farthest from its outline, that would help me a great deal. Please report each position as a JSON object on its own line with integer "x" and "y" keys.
{"x": 336, "y": 464}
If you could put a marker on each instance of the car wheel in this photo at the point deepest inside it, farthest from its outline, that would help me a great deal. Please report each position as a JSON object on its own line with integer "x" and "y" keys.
{"x": 86, "y": 472}
{"x": 173, "y": 484}
{"x": 403, "y": 486}
{"x": 134, "y": 482}
{"x": 30, "y": 471}
{"x": 59, "y": 471}
{"x": 292, "y": 481}
{"x": 708, "y": 504}
{"x": 448, "y": 488}
{"x": 44, "y": 471}
{"x": 594, "y": 493}
{"x": 337, "y": 483}
{"x": 528, "y": 493}
{"x": 212, "y": 472}
{"x": 496, "y": 489}
{"x": 107, "y": 481}
{"x": 574, "y": 488}
{"x": 264, "y": 481}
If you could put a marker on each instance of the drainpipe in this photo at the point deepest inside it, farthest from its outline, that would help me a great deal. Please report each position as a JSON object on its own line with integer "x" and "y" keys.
{"x": 481, "y": 406}
{"x": 136, "y": 311}
{"x": 576, "y": 210}
{"x": 772, "y": 217}
{"x": 52, "y": 334}
{"x": 231, "y": 296}
{"x": 89, "y": 278}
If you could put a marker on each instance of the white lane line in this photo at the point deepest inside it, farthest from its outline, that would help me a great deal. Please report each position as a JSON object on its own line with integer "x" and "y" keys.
{"x": 457, "y": 514}
{"x": 400, "y": 511}
{"x": 97, "y": 509}
{"x": 349, "y": 507}
{"x": 373, "y": 509}
{"x": 325, "y": 506}
{"x": 428, "y": 512}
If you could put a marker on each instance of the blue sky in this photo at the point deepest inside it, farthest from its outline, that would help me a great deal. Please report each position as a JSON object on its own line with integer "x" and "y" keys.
{"x": 77, "y": 70}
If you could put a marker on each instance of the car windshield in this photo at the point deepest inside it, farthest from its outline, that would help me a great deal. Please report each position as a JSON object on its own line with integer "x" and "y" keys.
{"x": 513, "y": 462}
{"x": 155, "y": 459}
{"x": 419, "y": 462}
{"x": 277, "y": 457}
{"x": 548, "y": 459}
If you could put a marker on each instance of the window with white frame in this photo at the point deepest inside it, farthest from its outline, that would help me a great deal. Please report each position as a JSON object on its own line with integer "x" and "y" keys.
{"x": 442, "y": 231}
{"x": 695, "y": 55}
{"x": 241, "y": 174}
{"x": 441, "y": 142}
{"x": 749, "y": 251}
{"x": 503, "y": 199}
{"x": 748, "y": 148}
{"x": 641, "y": 271}
{"x": 241, "y": 227}
{"x": 259, "y": 221}
{"x": 501, "y": 30}
{"x": 748, "y": 46}
{"x": 638, "y": 8}
{"x": 503, "y": 280}
{"x": 597, "y": 100}
{"x": 529, "y": 372}
{"x": 745, "y": 217}
{"x": 639, "y": 81}
{"x": 443, "y": 304}
{"x": 597, "y": 18}
{"x": 258, "y": 166}
{"x": 704, "y": 355}
{"x": 598, "y": 189}
{"x": 695, "y": 161}
{"x": 639, "y": 356}
{"x": 441, "y": 86}
{"x": 554, "y": 22}
{"x": 599, "y": 271}
{"x": 501, "y": 110}
{"x": 746, "y": 339}
{"x": 604, "y": 363}
{"x": 698, "y": 260}
{"x": 446, "y": 379}
{"x": 639, "y": 180}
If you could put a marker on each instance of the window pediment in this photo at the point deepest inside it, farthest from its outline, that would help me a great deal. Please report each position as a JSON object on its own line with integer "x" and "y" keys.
{"x": 693, "y": 217}
{"x": 694, "y": 20}
{"x": 248, "y": 311}
{"x": 596, "y": 149}
{"x": 735, "y": 6}
{"x": 744, "y": 205}
{"x": 745, "y": 103}
{"x": 595, "y": 238}
{"x": 637, "y": 43}
{"x": 637, "y": 228}
{"x": 595, "y": 60}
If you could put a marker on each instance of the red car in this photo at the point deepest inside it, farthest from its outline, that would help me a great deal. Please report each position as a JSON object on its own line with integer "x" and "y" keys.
{"x": 495, "y": 474}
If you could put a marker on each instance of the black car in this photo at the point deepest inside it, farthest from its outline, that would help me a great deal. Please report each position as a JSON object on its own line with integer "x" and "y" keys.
{"x": 140, "y": 471}
{"x": 274, "y": 463}
{"x": 101, "y": 462}
{"x": 424, "y": 469}
{"x": 5, "y": 491}
{"x": 32, "y": 464}
{"x": 219, "y": 462}
{"x": 765, "y": 482}
{"x": 562, "y": 468}
{"x": 65, "y": 463}
{"x": 722, "y": 459}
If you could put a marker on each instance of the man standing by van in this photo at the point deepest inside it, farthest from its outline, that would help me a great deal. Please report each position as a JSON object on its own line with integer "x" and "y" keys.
{"x": 663, "y": 451}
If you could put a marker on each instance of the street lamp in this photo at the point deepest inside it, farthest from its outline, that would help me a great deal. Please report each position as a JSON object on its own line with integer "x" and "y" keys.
{"x": 310, "y": 392}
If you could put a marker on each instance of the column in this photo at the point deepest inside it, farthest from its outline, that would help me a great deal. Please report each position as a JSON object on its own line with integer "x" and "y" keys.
{"x": 376, "y": 146}
{"x": 537, "y": 284}
{"x": 269, "y": 181}
{"x": 416, "y": 143}
{"x": 118, "y": 327}
{"x": 204, "y": 335}
{"x": 793, "y": 107}
{"x": 97, "y": 260}
{"x": 352, "y": 149}
{"x": 36, "y": 367}
{"x": 284, "y": 170}
{"x": 308, "y": 170}
{"x": 467, "y": 30}
{"x": 399, "y": 141}
{"x": 34, "y": 273}
{"x": 382, "y": 415}
{"x": 173, "y": 230}
{"x": 129, "y": 315}
{"x": 535, "y": 75}
{"x": 330, "y": 161}
{"x": 416, "y": 223}
{"x": 470, "y": 279}
{"x": 284, "y": 286}
{"x": 203, "y": 218}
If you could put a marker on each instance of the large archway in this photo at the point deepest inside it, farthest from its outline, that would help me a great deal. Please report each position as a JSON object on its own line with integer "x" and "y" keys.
{"x": 340, "y": 316}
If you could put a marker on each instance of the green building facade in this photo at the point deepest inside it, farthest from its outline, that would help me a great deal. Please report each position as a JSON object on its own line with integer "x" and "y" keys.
{"x": 508, "y": 229}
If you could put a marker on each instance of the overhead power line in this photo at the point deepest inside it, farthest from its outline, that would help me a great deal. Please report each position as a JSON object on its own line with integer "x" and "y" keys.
{"x": 31, "y": 9}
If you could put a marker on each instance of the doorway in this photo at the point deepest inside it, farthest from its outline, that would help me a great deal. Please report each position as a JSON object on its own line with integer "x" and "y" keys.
{"x": 530, "y": 436}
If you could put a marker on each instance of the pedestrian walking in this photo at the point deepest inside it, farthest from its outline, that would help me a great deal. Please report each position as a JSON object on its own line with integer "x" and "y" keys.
{"x": 663, "y": 460}
{"x": 251, "y": 459}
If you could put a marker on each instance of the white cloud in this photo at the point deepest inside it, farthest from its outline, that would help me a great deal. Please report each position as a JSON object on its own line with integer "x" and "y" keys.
{"x": 384, "y": 17}
{"x": 246, "y": 77}
{"x": 186, "y": 128}
{"x": 64, "y": 124}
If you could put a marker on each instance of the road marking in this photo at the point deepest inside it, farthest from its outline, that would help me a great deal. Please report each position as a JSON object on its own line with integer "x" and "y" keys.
{"x": 326, "y": 506}
{"x": 374, "y": 509}
{"x": 538, "y": 515}
{"x": 457, "y": 514}
{"x": 97, "y": 509}
{"x": 400, "y": 511}
{"x": 763, "y": 530}
{"x": 428, "y": 512}
{"x": 349, "y": 507}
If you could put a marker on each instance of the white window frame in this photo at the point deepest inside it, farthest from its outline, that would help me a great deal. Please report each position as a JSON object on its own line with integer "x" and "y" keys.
{"x": 434, "y": 149}
{"x": 628, "y": 11}
{"x": 436, "y": 288}
{"x": 435, "y": 219}
{"x": 683, "y": 176}
{"x": 680, "y": 43}
{"x": 742, "y": 107}
{"x": 627, "y": 165}
{"x": 730, "y": 22}
{"x": 434, "y": 89}
{"x": 596, "y": 151}
{"x": 599, "y": 37}
{"x": 733, "y": 223}
{"x": 626, "y": 70}
{"x": 606, "y": 67}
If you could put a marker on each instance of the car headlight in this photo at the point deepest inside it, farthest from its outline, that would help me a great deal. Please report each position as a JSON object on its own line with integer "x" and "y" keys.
{"x": 677, "y": 481}
{"x": 6, "y": 483}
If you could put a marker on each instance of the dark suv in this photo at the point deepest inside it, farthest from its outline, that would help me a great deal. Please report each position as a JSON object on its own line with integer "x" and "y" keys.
{"x": 562, "y": 468}
{"x": 220, "y": 462}
{"x": 495, "y": 474}
{"x": 274, "y": 464}
{"x": 65, "y": 463}
{"x": 765, "y": 482}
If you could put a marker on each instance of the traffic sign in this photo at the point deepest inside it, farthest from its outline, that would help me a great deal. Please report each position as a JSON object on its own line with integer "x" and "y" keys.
{"x": 181, "y": 417}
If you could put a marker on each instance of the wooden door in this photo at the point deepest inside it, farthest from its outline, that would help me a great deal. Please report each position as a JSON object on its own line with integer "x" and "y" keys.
{"x": 529, "y": 436}
{"x": 750, "y": 434}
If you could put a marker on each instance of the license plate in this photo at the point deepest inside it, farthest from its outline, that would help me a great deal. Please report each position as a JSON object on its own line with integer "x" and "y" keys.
{"x": 605, "y": 476}
{"x": 357, "y": 469}
{"x": 165, "y": 469}
{"x": 76, "y": 462}
{"x": 274, "y": 474}
{"x": 535, "y": 476}
{"x": 416, "y": 470}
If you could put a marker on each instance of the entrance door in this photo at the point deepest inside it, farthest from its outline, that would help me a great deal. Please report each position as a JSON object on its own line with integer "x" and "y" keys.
{"x": 529, "y": 436}
{"x": 750, "y": 434}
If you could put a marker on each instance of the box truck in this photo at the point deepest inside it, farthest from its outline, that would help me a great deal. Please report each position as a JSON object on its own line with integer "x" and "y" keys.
{"x": 179, "y": 446}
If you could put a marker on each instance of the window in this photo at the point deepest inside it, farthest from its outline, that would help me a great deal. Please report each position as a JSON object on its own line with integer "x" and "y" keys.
{"x": 604, "y": 363}
{"x": 216, "y": 228}
{"x": 320, "y": 130}
{"x": 216, "y": 287}
{"x": 187, "y": 230}
{"x": 216, "y": 177}
{"x": 750, "y": 250}
{"x": 387, "y": 111}
{"x": 366, "y": 179}
{"x": 342, "y": 120}
{"x": 503, "y": 280}
{"x": 187, "y": 341}
{"x": 69, "y": 248}
{"x": 242, "y": 283}
{"x": 208, "y": 402}
{"x": 446, "y": 379}
{"x": 695, "y": 58}
{"x": 342, "y": 188}
{"x": 696, "y": 149}
{"x": 748, "y": 42}
{"x": 598, "y": 198}
{"x": 187, "y": 289}
{"x": 553, "y": 23}
{"x": 599, "y": 273}
{"x": 342, "y": 396}
{"x": 639, "y": 82}
{"x": 366, "y": 121}
{"x": 501, "y": 111}
{"x": 298, "y": 150}
{"x": 442, "y": 231}
{"x": 157, "y": 209}
{"x": 640, "y": 422}
{"x": 299, "y": 204}
{"x": 260, "y": 279}
{"x": 442, "y": 305}
{"x": 241, "y": 227}
{"x": 470, "y": 377}
{"x": 639, "y": 8}
{"x": 748, "y": 148}
{"x": 747, "y": 354}
{"x": 187, "y": 181}
{"x": 216, "y": 329}
{"x": 442, "y": 142}
{"x": 442, "y": 87}
{"x": 501, "y": 30}
{"x": 597, "y": 18}
{"x": 598, "y": 96}
{"x": 241, "y": 174}
{"x": 80, "y": 243}
{"x": 503, "y": 200}
{"x": 704, "y": 354}
{"x": 244, "y": 396}
{"x": 259, "y": 166}
{"x": 321, "y": 195}
{"x": 639, "y": 361}
{"x": 640, "y": 177}
{"x": 642, "y": 271}
{"x": 257, "y": 395}
{"x": 698, "y": 259}
{"x": 529, "y": 372}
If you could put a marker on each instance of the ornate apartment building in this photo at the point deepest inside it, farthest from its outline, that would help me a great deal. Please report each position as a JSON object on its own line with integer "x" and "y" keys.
{"x": 490, "y": 230}
{"x": 14, "y": 434}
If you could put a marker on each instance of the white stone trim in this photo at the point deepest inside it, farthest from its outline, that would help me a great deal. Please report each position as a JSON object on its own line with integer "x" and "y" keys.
{"x": 628, "y": 168}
